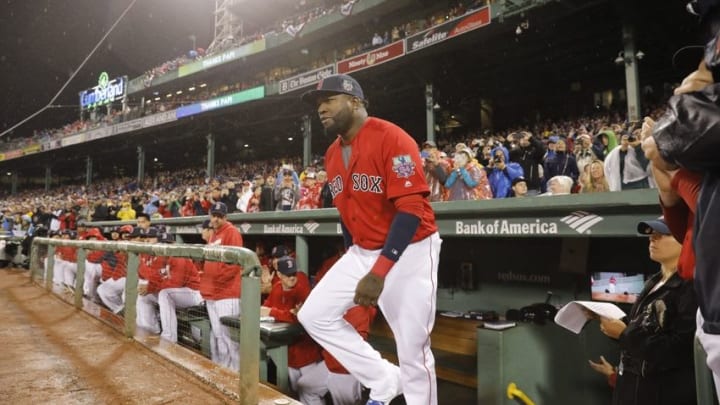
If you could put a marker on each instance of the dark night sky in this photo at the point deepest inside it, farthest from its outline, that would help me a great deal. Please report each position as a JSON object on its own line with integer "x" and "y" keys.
{"x": 43, "y": 41}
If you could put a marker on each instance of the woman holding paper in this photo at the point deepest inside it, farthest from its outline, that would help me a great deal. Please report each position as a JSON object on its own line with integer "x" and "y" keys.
{"x": 656, "y": 339}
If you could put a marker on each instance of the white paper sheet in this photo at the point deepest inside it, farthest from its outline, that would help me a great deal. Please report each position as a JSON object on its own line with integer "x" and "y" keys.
{"x": 572, "y": 316}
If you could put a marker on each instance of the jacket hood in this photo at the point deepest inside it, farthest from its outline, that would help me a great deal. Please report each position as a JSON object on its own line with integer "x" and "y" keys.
{"x": 505, "y": 152}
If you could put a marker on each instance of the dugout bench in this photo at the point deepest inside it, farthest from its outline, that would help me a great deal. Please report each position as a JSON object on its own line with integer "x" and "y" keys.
{"x": 275, "y": 337}
{"x": 453, "y": 342}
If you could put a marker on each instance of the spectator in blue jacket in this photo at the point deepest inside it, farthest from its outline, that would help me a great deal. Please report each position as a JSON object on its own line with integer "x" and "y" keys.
{"x": 501, "y": 172}
{"x": 561, "y": 163}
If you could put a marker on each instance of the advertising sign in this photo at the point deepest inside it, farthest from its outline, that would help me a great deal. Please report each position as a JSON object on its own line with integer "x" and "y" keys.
{"x": 450, "y": 29}
{"x": 244, "y": 96}
{"x": 105, "y": 92}
{"x": 227, "y": 56}
{"x": 372, "y": 58}
{"x": 305, "y": 79}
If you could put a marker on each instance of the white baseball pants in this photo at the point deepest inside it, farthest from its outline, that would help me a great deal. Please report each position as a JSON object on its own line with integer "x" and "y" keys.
{"x": 310, "y": 383}
{"x": 408, "y": 304}
{"x": 112, "y": 293}
{"x": 228, "y": 351}
{"x": 64, "y": 272}
{"x": 711, "y": 345}
{"x": 147, "y": 316}
{"x": 344, "y": 389}
{"x": 93, "y": 273}
{"x": 169, "y": 299}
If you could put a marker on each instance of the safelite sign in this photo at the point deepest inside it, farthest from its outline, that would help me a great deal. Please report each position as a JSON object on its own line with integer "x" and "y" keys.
{"x": 105, "y": 92}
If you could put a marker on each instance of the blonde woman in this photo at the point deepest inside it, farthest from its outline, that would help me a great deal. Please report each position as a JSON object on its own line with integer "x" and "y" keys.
{"x": 595, "y": 181}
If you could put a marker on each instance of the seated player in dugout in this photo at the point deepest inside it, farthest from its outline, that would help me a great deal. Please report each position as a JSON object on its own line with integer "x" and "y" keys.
{"x": 111, "y": 290}
{"x": 93, "y": 266}
{"x": 269, "y": 269}
{"x": 176, "y": 285}
{"x": 308, "y": 374}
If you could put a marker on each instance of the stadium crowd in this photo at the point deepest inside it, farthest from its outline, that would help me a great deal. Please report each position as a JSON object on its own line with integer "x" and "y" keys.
{"x": 584, "y": 155}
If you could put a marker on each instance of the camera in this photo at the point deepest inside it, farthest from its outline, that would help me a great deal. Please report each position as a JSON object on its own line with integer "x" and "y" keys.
{"x": 497, "y": 159}
{"x": 632, "y": 138}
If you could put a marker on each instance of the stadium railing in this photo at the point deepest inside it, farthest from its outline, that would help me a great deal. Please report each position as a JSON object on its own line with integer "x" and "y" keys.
{"x": 249, "y": 304}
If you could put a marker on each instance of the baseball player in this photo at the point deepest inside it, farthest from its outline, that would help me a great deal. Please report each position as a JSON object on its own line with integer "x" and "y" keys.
{"x": 65, "y": 262}
{"x": 93, "y": 266}
{"x": 308, "y": 374}
{"x": 378, "y": 186}
{"x": 149, "y": 269}
{"x": 173, "y": 286}
{"x": 111, "y": 290}
{"x": 220, "y": 287}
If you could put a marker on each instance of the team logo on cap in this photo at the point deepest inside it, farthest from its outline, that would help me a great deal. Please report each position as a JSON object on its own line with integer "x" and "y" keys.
{"x": 218, "y": 206}
{"x": 403, "y": 166}
{"x": 347, "y": 85}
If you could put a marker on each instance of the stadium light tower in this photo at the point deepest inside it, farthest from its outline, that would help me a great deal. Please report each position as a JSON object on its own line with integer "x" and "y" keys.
{"x": 228, "y": 26}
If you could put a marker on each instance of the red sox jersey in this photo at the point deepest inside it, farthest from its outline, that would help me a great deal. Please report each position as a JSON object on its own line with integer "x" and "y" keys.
{"x": 222, "y": 280}
{"x": 384, "y": 164}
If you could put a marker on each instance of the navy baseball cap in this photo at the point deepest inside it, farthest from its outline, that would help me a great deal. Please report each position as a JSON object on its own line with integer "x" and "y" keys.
{"x": 219, "y": 208}
{"x": 335, "y": 84}
{"x": 518, "y": 179}
{"x": 286, "y": 266}
{"x": 656, "y": 225}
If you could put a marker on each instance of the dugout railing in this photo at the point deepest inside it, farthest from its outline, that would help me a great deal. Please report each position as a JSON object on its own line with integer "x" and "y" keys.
{"x": 520, "y": 221}
{"x": 250, "y": 292}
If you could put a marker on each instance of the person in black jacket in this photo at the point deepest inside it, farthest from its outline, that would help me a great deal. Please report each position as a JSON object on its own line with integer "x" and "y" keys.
{"x": 529, "y": 153}
{"x": 267, "y": 195}
{"x": 326, "y": 200}
{"x": 688, "y": 136}
{"x": 656, "y": 338}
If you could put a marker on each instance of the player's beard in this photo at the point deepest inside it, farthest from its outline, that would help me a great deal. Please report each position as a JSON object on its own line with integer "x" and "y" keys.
{"x": 340, "y": 123}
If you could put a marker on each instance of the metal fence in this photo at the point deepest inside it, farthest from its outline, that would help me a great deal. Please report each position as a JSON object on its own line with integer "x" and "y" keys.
{"x": 42, "y": 267}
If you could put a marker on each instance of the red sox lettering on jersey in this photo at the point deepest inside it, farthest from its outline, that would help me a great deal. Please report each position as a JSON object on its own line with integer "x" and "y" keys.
{"x": 367, "y": 183}
{"x": 384, "y": 164}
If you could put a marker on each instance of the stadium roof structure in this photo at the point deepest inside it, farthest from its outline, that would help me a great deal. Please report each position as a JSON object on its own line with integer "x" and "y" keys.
{"x": 567, "y": 44}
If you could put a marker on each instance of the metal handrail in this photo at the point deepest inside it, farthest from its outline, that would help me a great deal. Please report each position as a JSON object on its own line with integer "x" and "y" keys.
{"x": 249, "y": 306}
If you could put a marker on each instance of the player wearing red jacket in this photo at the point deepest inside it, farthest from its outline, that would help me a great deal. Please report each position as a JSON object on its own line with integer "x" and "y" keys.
{"x": 150, "y": 269}
{"x": 376, "y": 179}
{"x": 93, "y": 267}
{"x": 175, "y": 285}
{"x": 111, "y": 290}
{"x": 65, "y": 266}
{"x": 220, "y": 287}
{"x": 308, "y": 374}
